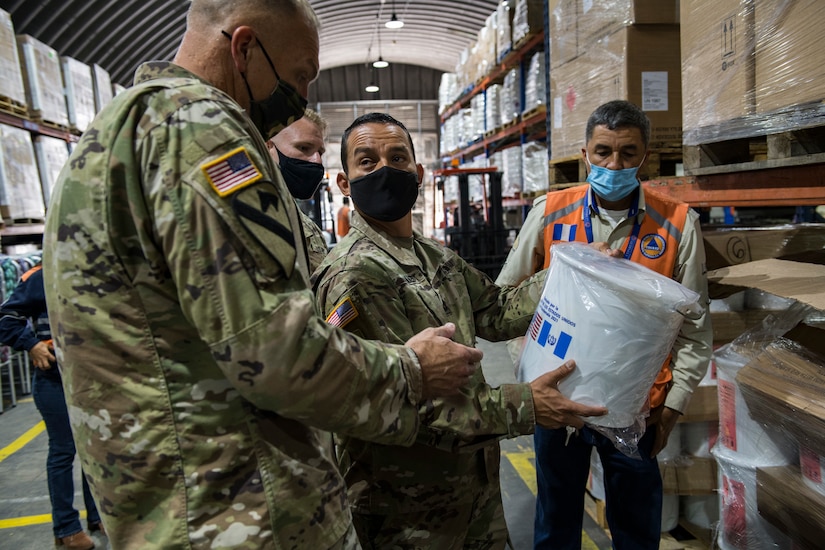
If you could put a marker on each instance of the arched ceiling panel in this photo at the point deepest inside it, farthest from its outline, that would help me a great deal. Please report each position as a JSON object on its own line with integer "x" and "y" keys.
{"x": 120, "y": 34}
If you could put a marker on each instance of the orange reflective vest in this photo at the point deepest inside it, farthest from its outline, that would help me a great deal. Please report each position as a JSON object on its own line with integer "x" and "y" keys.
{"x": 656, "y": 246}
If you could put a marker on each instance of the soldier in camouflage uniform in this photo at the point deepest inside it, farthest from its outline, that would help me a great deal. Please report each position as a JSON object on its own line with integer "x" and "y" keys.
{"x": 298, "y": 149}
{"x": 385, "y": 281}
{"x": 197, "y": 371}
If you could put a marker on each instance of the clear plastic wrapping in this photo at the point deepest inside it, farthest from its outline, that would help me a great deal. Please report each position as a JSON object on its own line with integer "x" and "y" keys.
{"x": 11, "y": 78}
{"x": 504, "y": 33}
{"x": 492, "y": 107}
{"x": 778, "y": 385}
{"x": 590, "y": 297}
{"x": 44, "y": 82}
{"x": 19, "y": 181}
{"x": 477, "y": 108}
{"x": 103, "y": 86}
{"x": 80, "y": 94}
{"x": 535, "y": 170}
{"x": 784, "y": 387}
{"x": 639, "y": 63}
{"x": 534, "y": 85}
{"x": 447, "y": 91}
{"x": 528, "y": 19}
{"x": 51, "y": 154}
{"x": 513, "y": 183}
{"x": 510, "y": 107}
{"x": 750, "y": 68}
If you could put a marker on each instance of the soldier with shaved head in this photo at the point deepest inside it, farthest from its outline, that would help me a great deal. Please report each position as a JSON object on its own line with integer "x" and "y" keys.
{"x": 197, "y": 372}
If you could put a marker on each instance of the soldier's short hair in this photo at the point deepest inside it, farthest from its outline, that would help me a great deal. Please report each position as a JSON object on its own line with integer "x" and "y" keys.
{"x": 218, "y": 12}
{"x": 618, "y": 114}
{"x": 371, "y": 118}
{"x": 318, "y": 120}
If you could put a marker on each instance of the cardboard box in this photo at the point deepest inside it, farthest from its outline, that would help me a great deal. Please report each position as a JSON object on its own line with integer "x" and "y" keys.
{"x": 639, "y": 63}
{"x": 576, "y": 24}
{"x": 728, "y": 325}
{"x": 789, "y": 69}
{"x": 703, "y": 406}
{"x": 717, "y": 63}
{"x": 796, "y": 280}
{"x": 733, "y": 246}
{"x": 598, "y": 18}
{"x": 51, "y": 154}
{"x": 11, "y": 77}
{"x": 103, "y": 86}
{"x": 689, "y": 476}
{"x": 20, "y": 195}
{"x": 44, "y": 81}
{"x": 783, "y": 388}
{"x": 786, "y": 502}
{"x": 80, "y": 94}
{"x": 564, "y": 34}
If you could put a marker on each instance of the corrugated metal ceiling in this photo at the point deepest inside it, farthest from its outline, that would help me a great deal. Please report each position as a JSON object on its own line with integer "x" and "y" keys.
{"x": 118, "y": 35}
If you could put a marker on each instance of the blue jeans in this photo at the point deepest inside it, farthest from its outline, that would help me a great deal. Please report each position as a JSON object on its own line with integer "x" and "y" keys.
{"x": 48, "y": 396}
{"x": 633, "y": 490}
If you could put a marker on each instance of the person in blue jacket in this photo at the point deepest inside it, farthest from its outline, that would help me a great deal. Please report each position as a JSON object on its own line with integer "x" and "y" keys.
{"x": 24, "y": 325}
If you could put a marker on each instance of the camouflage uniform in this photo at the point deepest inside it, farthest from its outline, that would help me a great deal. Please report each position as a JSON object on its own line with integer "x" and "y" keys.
{"x": 443, "y": 492}
{"x": 194, "y": 361}
{"x": 314, "y": 240}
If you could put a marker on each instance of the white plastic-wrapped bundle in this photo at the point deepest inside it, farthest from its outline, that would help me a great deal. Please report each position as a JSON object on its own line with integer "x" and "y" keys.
{"x": 741, "y": 526}
{"x": 743, "y": 438}
{"x": 617, "y": 319}
{"x": 700, "y": 510}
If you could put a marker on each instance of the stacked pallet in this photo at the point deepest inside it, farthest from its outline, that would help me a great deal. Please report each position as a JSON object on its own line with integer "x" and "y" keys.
{"x": 753, "y": 85}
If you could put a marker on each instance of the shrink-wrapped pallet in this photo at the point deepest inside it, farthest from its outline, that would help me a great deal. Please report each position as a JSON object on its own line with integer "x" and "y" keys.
{"x": 11, "y": 78}
{"x": 103, "y": 86}
{"x": 20, "y": 195}
{"x": 51, "y": 154}
{"x": 80, "y": 95}
{"x": 44, "y": 81}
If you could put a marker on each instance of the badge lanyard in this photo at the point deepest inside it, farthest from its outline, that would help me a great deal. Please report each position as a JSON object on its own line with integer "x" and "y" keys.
{"x": 588, "y": 225}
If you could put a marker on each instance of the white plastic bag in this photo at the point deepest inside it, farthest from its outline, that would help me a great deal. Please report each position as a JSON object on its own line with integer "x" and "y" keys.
{"x": 617, "y": 319}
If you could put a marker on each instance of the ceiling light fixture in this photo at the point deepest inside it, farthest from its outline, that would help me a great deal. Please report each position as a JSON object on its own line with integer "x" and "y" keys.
{"x": 394, "y": 22}
{"x": 379, "y": 63}
{"x": 372, "y": 87}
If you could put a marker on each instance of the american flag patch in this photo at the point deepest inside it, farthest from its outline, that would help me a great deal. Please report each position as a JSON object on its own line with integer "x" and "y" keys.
{"x": 231, "y": 172}
{"x": 342, "y": 314}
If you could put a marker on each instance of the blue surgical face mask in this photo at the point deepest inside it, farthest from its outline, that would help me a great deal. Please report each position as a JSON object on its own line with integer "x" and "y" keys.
{"x": 612, "y": 185}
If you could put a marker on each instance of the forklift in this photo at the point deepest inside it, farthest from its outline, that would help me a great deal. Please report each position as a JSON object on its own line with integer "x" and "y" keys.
{"x": 476, "y": 231}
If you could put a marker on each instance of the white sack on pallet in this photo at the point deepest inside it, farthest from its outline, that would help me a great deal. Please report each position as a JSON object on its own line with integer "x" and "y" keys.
{"x": 617, "y": 319}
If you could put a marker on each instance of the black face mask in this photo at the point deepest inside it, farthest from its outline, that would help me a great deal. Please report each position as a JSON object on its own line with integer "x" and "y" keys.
{"x": 302, "y": 177}
{"x": 387, "y": 194}
{"x": 283, "y": 106}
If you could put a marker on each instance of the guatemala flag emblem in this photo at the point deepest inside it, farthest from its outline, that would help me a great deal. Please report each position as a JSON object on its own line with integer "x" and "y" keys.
{"x": 564, "y": 232}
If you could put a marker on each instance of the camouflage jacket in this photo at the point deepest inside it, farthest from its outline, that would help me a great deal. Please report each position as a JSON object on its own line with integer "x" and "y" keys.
{"x": 398, "y": 287}
{"x": 314, "y": 240}
{"x": 193, "y": 357}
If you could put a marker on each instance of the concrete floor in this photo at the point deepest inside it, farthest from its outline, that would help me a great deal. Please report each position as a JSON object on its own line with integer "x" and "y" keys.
{"x": 25, "y": 520}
